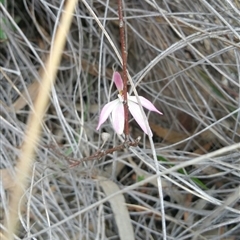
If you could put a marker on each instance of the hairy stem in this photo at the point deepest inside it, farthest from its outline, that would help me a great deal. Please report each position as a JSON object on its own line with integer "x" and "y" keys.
{"x": 124, "y": 66}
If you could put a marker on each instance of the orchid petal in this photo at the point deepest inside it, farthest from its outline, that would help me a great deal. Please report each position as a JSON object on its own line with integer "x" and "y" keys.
{"x": 107, "y": 109}
{"x": 137, "y": 115}
{"x": 118, "y": 118}
{"x": 145, "y": 103}
{"x": 118, "y": 81}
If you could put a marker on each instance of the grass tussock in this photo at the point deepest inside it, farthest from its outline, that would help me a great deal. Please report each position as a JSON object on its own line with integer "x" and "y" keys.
{"x": 184, "y": 56}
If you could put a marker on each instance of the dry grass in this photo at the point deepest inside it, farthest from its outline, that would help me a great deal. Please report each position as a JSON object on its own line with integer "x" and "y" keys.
{"x": 182, "y": 55}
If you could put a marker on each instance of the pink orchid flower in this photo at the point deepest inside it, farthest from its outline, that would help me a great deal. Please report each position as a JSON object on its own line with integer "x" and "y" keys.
{"x": 116, "y": 108}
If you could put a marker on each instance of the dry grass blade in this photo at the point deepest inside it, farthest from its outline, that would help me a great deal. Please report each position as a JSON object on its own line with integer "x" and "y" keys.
{"x": 7, "y": 179}
{"x": 23, "y": 167}
{"x": 120, "y": 211}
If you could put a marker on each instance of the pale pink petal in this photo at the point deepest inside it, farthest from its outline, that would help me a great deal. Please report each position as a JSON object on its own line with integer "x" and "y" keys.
{"x": 107, "y": 109}
{"x": 118, "y": 118}
{"x": 118, "y": 81}
{"x": 136, "y": 113}
{"x": 145, "y": 103}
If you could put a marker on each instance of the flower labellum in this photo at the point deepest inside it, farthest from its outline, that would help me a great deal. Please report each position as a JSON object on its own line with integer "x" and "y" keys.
{"x": 116, "y": 108}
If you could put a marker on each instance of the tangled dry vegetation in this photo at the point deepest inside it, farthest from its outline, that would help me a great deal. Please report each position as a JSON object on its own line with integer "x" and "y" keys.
{"x": 184, "y": 56}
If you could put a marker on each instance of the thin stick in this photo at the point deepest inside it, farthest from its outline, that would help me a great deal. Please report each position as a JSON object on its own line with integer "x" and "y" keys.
{"x": 102, "y": 153}
{"x": 98, "y": 154}
{"x": 124, "y": 65}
